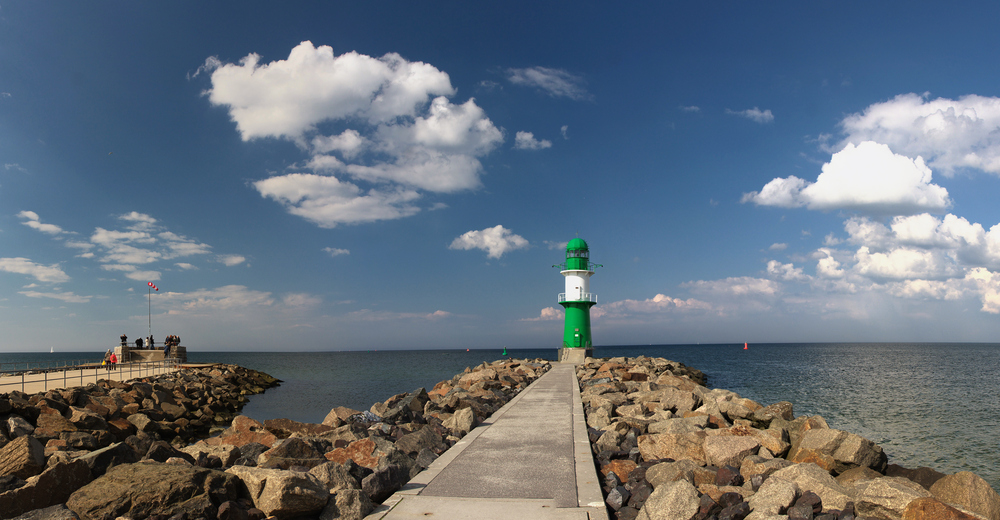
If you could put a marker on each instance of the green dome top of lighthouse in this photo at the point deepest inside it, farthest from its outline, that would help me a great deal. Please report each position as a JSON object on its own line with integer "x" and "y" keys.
{"x": 577, "y": 244}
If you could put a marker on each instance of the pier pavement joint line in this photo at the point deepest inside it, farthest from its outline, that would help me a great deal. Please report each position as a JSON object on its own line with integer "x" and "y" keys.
{"x": 551, "y": 400}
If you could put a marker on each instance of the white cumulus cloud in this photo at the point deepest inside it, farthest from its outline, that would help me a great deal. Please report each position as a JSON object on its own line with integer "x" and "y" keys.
{"x": 327, "y": 201}
{"x": 548, "y": 314}
{"x": 868, "y": 178}
{"x": 527, "y": 141}
{"x": 495, "y": 241}
{"x": 948, "y": 133}
{"x": 404, "y": 134}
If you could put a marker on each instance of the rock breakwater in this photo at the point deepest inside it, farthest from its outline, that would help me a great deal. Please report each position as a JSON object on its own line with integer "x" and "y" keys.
{"x": 668, "y": 447}
{"x": 146, "y": 466}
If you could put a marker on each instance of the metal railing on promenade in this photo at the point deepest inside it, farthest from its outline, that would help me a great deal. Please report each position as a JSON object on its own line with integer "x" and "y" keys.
{"x": 43, "y": 378}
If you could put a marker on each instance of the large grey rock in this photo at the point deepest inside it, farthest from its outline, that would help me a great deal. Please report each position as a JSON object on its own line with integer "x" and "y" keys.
{"x": 676, "y": 500}
{"x": 757, "y": 465}
{"x": 934, "y": 509}
{"x": 228, "y": 454}
{"x": 101, "y": 460}
{"x": 736, "y": 409}
{"x": 53, "y": 486}
{"x": 461, "y": 422}
{"x": 286, "y": 453}
{"x": 143, "y": 423}
{"x": 338, "y": 416}
{"x": 18, "y": 426}
{"x": 334, "y": 476}
{"x": 673, "y": 446}
{"x": 666, "y": 472}
{"x": 810, "y": 477}
{"x": 424, "y": 438}
{"x": 729, "y": 450}
{"x": 886, "y": 498}
{"x": 599, "y": 418}
{"x": 86, "y": 420}
{"x": 22, "y": 457}
{"x": 284, "y": 428}
{"x": 970, "y": 492}
{"x": 160, "y": 451}
{"x": 56, "y": 512}
{"x": 764, "y": 416}
{"x": 147, "y": 488}
{"x": 774, "y": 496}
{"x": 680, "y": 425}
{"x": 680, "y": 401}
{"x": 285, "y": 494}
{"x": 848, "y": 450}
{"x": 609, "y": 440}
{"x": 385, "y": 481}
{"x": 347, "y": 504}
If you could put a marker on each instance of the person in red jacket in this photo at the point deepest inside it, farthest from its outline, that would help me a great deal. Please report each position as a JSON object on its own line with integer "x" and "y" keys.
{"x": 114, "y": 359}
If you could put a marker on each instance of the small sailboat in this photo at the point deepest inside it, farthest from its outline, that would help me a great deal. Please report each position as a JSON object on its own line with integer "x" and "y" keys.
{"x": 52, "y": 350}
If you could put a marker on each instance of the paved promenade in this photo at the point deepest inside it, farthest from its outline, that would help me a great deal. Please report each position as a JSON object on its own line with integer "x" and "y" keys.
{"x": 530, "y": 460}
{"x": 44, "y": 381}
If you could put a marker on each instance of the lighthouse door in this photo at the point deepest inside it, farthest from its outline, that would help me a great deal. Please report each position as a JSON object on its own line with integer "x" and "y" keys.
{"x": 576, "y": 340}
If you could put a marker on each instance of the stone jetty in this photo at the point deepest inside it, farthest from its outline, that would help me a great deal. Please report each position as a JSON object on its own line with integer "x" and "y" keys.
{"x": 665, "y": 446}
{"x": 668, "y": 447}
{"x": 135, "y": 449}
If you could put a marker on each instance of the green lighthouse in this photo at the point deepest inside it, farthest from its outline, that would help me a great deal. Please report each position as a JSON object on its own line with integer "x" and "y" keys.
{"x": 577, "y": 300}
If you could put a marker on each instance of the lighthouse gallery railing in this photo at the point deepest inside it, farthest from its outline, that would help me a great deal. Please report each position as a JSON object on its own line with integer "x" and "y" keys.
{"x": 585, "y": 297}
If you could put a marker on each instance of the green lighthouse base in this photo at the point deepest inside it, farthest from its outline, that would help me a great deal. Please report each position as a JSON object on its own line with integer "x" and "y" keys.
{"x": 576, "y": 356}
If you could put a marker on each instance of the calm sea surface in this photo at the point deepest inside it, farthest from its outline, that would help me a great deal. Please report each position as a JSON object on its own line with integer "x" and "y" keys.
{"x": 926, "y": 404}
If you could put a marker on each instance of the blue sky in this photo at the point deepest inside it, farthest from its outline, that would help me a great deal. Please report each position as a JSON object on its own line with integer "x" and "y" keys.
{"x": 382, "y": 175}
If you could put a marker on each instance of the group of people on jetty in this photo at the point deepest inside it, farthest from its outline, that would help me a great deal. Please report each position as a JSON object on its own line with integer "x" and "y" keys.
{"x": 111, "y": 359}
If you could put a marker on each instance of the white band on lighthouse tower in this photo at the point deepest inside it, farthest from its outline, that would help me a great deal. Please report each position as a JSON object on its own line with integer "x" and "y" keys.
{"x": 577, "y": 285}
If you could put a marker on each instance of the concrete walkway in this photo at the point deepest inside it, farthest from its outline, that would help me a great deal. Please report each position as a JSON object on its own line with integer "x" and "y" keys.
{"x": 530, "y": 460}
{"x": 32, "y": 383}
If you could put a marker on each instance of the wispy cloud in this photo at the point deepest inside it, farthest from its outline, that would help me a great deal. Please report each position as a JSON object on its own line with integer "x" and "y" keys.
{"x": 754, "y": 114}
{"x": 67, "y": 297}
{"x": 231, "y": 260}
{"x": 554, "y": 82}
{"x": 32, "y": 221}
{"x": 42, "y": 273}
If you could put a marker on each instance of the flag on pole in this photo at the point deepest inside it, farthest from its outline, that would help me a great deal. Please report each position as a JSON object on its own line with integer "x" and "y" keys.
{"x": 155, "y": 288}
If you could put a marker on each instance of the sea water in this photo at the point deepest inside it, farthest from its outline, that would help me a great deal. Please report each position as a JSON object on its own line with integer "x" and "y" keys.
{"x": 926, "y": 404}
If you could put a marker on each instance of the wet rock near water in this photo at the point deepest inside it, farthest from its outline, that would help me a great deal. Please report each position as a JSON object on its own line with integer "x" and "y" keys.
{"x": 140, "y": 449}
{"x": 668, "y": 447}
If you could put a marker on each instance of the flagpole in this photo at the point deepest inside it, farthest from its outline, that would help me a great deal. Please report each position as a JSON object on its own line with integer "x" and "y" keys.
{"x": 149, "y": 309}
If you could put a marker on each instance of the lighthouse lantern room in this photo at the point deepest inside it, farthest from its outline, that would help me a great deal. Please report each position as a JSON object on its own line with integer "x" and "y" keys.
{"x": 577, "y": 300}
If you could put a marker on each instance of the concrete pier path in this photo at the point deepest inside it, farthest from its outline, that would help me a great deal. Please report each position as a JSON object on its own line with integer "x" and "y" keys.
{"x": 49, "y": 379}
{"x": 530, "y": 460}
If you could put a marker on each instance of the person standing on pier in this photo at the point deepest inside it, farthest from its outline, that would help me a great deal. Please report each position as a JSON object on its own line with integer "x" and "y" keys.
{"x": 113, "y": 360}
